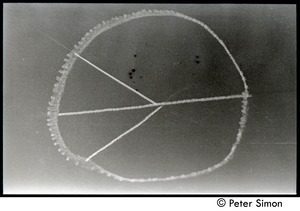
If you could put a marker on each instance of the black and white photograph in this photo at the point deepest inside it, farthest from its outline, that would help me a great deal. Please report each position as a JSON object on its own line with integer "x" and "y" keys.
{"x": 149, "y": 98}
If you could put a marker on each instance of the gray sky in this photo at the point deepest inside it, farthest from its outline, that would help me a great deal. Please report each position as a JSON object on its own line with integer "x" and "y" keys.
{"x": 171, "y": 58}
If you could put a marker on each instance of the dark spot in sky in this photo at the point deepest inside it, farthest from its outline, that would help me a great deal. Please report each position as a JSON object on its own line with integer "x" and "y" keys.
{"x": 135, "y": 55}
{"x": 133, "y": 81}
{"x": 133, "y": 70}
{"x": 130, "y": 77}
{"x": 197, "y": 62}
{"x": 130, "y": 73}
{"x": 137, "y": 89}
{"x": 141, "y": 76}
{"x": 197, "y": 57}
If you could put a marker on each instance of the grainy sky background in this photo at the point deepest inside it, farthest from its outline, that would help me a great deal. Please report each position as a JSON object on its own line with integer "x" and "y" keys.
{"x": 173, "y": 59}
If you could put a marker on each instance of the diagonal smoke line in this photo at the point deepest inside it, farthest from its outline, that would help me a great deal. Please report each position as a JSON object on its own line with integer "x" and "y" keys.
{"x": 102, "y": 71}
{"x": 117, "y": 80}
{"x": 125, "y": 133}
